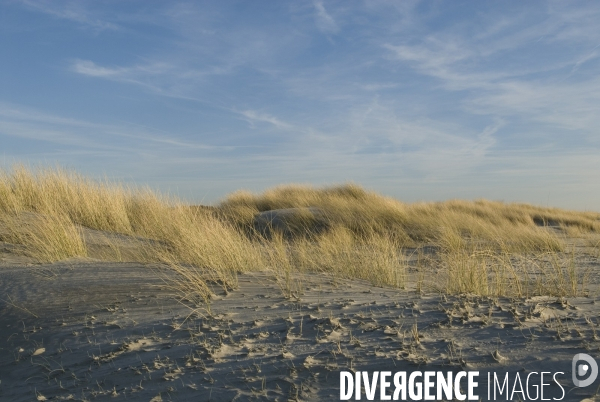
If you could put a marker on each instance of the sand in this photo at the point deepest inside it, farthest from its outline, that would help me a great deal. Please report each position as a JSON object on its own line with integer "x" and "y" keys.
{"x": 88, "y": 330}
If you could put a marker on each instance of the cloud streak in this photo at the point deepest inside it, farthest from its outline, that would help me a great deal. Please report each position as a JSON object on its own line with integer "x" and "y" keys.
{"x": 325, "y": 21}
{"x": 74, "y": 11}
{"x": 254, "y": 117}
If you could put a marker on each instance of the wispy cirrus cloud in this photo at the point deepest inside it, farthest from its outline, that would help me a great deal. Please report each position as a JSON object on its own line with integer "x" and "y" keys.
{"x": 591, "y": 56}
{"x": 544, "y": 90}
{"x": 169, "y": 79}
{"x": 254, "y": 117}
{"x": 75, "y": 11}
{"x": 27, "y": 123}
{"x": 406, "y": 97}
{"x": 325, "y": 21}
{"x": 140, "y": 74}
{"x": 87, "y": 67}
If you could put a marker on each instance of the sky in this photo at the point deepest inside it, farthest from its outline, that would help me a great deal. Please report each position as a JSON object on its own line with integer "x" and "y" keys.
{"x": 421, "y": 101}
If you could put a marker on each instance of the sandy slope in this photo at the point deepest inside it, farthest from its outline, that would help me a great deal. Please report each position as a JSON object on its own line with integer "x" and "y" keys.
{"x": 95, "y": 331}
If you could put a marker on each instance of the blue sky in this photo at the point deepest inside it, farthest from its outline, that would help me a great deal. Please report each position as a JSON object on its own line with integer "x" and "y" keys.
{"x": 421, "y": 101}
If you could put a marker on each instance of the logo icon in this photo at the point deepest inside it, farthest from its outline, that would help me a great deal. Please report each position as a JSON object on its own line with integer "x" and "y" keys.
{"x": 581, "y": 370}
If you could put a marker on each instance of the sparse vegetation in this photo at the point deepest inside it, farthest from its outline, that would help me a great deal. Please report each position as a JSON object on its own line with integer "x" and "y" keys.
{"x": 481, "y": 247}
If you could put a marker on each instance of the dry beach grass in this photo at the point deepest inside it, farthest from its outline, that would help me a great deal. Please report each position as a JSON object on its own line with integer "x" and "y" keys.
{"x": 479, "y": 247}
{"x": 112, "y": 292}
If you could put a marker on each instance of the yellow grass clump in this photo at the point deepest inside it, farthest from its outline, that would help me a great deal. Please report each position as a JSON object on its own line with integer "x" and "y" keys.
{"x": 58, "y": 204}
{"x": 47, "y": 238}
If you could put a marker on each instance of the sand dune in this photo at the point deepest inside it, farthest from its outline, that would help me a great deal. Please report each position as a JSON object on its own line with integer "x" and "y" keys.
{"x": 284, "y": 309}
{"x": 86, "y": 330}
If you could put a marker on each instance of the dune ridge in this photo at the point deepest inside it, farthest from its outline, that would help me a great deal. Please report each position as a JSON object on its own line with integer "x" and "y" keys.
{"x": 116, "y": 293}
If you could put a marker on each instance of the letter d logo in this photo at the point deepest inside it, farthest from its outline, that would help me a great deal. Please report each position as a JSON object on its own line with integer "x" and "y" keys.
{"x": 583, "y": 369}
